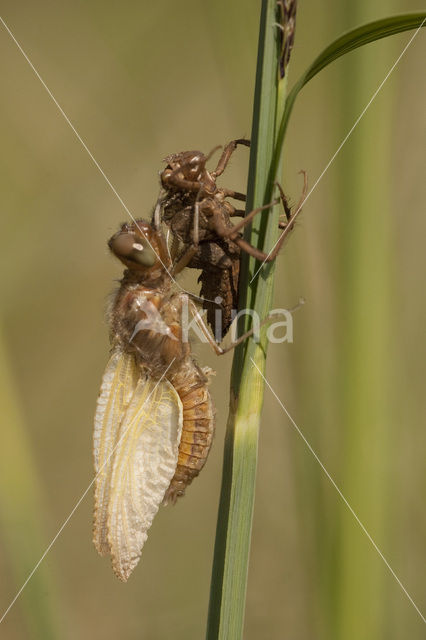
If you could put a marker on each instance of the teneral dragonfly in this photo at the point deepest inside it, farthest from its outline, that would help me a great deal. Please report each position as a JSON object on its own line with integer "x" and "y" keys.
{"x": 154, "y": 421}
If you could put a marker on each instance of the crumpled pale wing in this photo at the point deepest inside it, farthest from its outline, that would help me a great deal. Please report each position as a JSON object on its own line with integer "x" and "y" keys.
{"x": 118, "y": 385}
{"x": 145, "y": 461}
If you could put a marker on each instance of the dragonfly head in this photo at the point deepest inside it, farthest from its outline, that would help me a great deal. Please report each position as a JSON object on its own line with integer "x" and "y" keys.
{"x": 140, "y": 247}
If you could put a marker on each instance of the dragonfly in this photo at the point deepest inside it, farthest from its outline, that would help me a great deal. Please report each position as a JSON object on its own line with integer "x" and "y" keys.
{"x": 199, "y": 214}
{"x": 155, "y": 419}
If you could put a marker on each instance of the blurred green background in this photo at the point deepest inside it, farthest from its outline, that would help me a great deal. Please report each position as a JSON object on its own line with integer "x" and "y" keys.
{"x": 140, "y": 81}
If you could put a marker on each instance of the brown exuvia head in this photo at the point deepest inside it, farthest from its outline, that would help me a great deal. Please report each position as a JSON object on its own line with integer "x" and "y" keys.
{"x": 188, "y": 165}
{"x": 140, "y": 247}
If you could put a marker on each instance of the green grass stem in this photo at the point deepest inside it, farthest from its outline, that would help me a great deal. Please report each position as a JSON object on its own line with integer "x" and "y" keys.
{"x": 230, "y": 568}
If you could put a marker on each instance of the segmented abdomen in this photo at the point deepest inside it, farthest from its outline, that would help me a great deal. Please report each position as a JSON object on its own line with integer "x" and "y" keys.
{"x": 197, "y": 433}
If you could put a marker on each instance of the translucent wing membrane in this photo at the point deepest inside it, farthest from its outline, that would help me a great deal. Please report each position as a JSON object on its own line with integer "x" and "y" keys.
{"x": 138, "y": 426}
{"x": 118, "y": 385}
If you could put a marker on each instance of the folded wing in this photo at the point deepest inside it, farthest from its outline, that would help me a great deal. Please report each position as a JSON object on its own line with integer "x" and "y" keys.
{"x": 138, "y": 427}
{"x": 118, "y": 385}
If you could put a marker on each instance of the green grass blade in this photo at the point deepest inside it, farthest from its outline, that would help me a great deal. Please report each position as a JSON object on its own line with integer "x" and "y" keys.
{"x": 21, "y": 513}
{"x": 363, "y": 35}
{"x": 365, "y": 280}
{"x": 344, "y": 44}
{"x": 230, "y": 566}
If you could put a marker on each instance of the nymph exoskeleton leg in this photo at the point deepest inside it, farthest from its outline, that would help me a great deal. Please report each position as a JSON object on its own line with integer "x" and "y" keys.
{"x": 181, "y": 183}
{"x": 232, "y": 233}
{"x": 230, "y": 193}
{"x": 229, "y": 232}
{"x": 194, "y": 186}
{"x": 225, "y": 232}
{"x": 226, "y": 155}
{"x": 285, "y": 223}
{"x": 284, "y": 219}
{"x": 219, "y": 351}
{"x": 217, "y": 348}
{"x": 184, "y": 260}
{"x": 258, "y": 253}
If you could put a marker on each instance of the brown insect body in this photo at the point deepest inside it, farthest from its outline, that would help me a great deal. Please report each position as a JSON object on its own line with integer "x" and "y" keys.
{"x": 154, "y": 419}
{"x": 219, "y": 284}
{"x": 199, "y": 214}
{"x": 188, "y": 185}
{"x": 159, "y": 347}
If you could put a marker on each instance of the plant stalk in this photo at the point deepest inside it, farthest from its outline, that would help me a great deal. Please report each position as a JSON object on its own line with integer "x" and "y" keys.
{"x": 232, "y": 547}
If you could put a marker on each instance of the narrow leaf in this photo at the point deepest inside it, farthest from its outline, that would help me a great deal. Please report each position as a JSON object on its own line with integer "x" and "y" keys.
{"x": 344, "y": 44}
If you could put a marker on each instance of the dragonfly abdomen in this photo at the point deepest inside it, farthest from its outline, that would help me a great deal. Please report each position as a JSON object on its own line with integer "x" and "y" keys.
{"x": 197, "y": 431}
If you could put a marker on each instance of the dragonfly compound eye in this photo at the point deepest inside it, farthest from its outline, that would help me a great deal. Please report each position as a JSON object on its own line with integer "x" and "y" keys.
{"x": 135, "y": 248}
{"x": 143, "y": 253}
